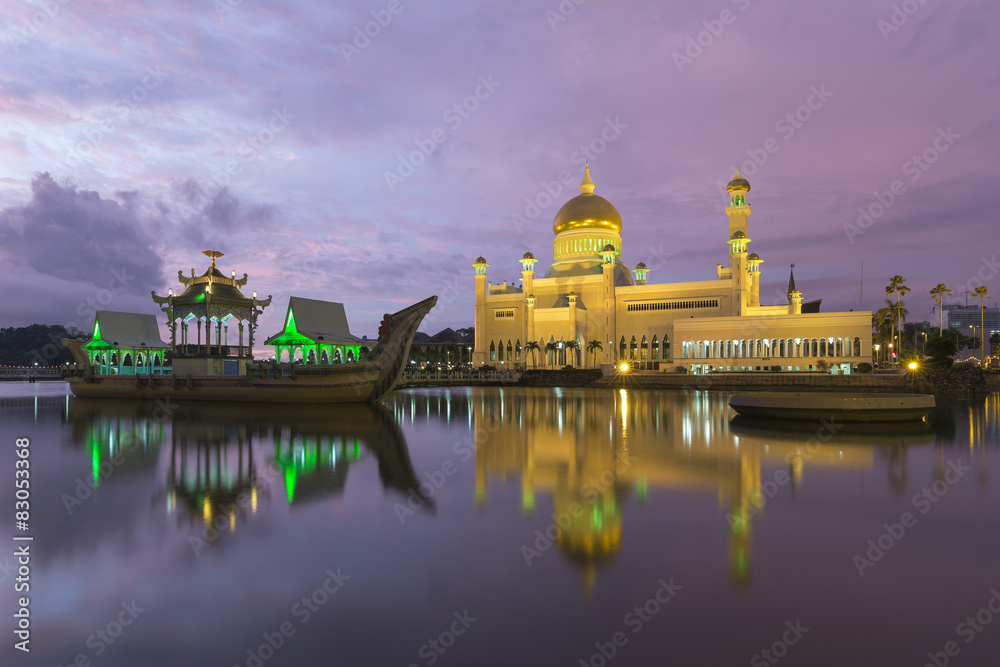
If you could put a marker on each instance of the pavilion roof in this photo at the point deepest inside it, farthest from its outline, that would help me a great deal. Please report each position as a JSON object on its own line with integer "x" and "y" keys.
{"x": 125, "y": 330}
{"x": 318, "y": 321}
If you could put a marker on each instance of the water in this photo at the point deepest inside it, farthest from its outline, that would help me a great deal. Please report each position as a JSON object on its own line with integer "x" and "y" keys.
{"x": 172, "y": 534}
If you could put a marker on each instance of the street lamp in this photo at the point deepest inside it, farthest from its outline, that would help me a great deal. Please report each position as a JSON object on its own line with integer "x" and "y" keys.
{"x": 878, "y": 347}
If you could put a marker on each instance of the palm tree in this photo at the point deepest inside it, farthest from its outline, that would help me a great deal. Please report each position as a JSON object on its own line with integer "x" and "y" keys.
{"x": 981, "y": 293}
{"x": 594, "y": 347}
{"x": 551, "y": 346}
{"x": 532, "y": 346}
{"x": 938, "y": 294}
{"x": 573, "y": 345}
{"x": 897, "y": 286}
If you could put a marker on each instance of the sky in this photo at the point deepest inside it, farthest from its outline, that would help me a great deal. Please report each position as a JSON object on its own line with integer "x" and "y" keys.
{"x": 368, "y": 152}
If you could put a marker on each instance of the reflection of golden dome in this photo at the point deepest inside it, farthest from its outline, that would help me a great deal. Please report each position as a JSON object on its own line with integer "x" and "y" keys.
{"x": 587, "y": 210}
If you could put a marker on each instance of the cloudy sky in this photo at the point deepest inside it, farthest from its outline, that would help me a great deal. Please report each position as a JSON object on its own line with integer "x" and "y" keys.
{"x": 367, "y": 152}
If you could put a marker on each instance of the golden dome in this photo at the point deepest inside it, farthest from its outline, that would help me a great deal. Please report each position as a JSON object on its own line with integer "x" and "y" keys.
{"x": 587, "y": 210}
{"x": 738, "y": 182}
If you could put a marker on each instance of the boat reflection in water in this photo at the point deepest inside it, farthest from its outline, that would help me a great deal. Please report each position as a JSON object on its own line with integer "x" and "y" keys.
{"x": 218, "y": 462}
{"x": 591, "y": 450}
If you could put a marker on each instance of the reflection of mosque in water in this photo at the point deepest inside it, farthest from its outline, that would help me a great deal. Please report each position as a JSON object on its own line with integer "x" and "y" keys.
{"x": 595, "y": 449}
{"x": 218, "y": 462}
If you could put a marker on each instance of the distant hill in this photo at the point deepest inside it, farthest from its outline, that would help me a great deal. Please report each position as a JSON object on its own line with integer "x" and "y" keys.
{"x": 38, "y": 343}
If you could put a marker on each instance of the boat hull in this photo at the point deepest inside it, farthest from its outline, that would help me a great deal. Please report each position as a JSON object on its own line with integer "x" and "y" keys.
{"x": 364, "y": 381}
{"x": 839, "y": 407}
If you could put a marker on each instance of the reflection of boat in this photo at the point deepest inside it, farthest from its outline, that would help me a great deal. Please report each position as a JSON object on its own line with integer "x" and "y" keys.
{"x": 367, "y": 380}
{"x": 219, "y": 460}
{"x": 833, "y": 432}
{"x": 843, "y": 407}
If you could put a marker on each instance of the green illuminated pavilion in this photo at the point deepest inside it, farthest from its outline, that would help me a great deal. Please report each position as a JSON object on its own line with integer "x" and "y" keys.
{"x": 125, "y": 343}
{"x": 215, "y": 301}
{"x": 317, "y": 331}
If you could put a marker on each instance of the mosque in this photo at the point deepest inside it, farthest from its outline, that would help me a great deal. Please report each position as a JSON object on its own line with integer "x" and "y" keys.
{"x": 589, "y": 308}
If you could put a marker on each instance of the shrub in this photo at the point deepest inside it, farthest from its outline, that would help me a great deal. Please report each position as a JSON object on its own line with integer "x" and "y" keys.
{"x": 775, "y": 368}
{"x": 487, "y": 367}
{"x": 863, "y": 367}
{"x": 680, "y": 369}
{"x": 941, "y": 349}
{"x": 822, "y": 365}
{"x": 568, "y": 367}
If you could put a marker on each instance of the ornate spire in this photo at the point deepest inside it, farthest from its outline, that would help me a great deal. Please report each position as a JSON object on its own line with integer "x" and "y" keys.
{"x": 791, "y": 281}
{"x": 213, "y": 254}
{"x": 587, "y": 187}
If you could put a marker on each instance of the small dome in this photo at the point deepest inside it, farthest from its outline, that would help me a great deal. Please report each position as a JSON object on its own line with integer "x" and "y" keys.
{"x": 480, "y": 260}
{"x": 528, "y": 255}
{"x": 739, "y": 235}
{"x": 608, "y": 248}
{"x": 738, "y": 183}
{"x": 640, "y": 266}
{"x": 753, "y": 256}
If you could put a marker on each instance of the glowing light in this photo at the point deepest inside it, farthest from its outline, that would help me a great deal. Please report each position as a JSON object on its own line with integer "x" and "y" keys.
{"x": 623, "y": 368}
{"x": 913, "y": 365}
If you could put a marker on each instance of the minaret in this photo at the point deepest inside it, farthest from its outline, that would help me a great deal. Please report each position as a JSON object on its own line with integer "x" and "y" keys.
{"x": 738, "y": 210}
{"x": 527, "y": 291}
{"x": 753, "y": 268}
{"x": 608, "y": 327}
{"x": 794, "y": 295}
{"x": 482, "y": 291}
{"x": 740, "y": 272}
{"x": 640, "y": 273}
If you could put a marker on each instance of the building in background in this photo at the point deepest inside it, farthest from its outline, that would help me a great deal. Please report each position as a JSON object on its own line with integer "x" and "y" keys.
{"x": 588, "y": 298}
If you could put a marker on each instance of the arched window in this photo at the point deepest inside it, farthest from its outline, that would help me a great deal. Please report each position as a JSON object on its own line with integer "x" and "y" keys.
{"x": 655, "y": 352}
{"x": 822, "y": 347}
{"x": 665, "y": 352}
{"x": 517, "y": 350}
{"x": 631, "y": 348}
{"x": 493, "y": 351}
{"x": 781, "y": 347}
{"x": 622, "y": 348}
{"x": 510, "y": 352}
{"x": 643, "y": 350}
{"x": 857, "y": 347}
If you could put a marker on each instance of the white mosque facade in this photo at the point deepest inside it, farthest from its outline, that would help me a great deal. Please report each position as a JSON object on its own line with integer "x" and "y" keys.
{"x": 588, "y": 294}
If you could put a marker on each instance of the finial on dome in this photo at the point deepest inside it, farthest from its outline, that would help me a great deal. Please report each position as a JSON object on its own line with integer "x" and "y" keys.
{"x": 587, "y": 187}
